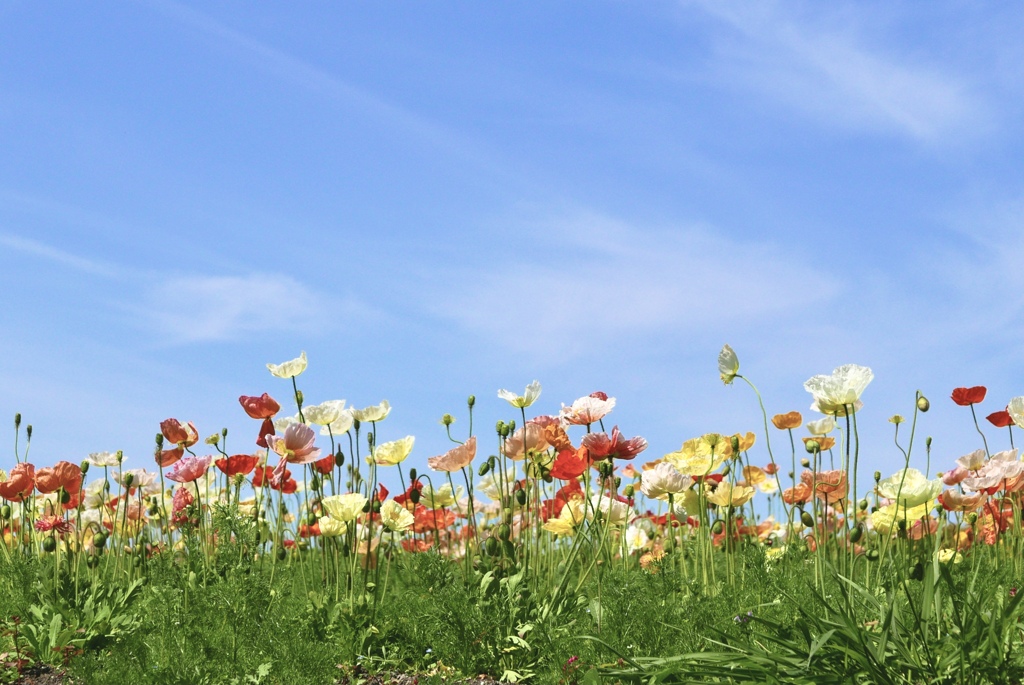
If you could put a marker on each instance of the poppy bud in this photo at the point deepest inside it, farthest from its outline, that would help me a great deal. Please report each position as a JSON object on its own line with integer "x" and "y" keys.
{"x": 412, "y": 474}
{"x": 618, "y": 482}
{"x": 972, "y": 517}
{"x": 129, "y": 479}
{"x": 369, "y": 440}
{"x": 314, "y": 482}
{"x": 872, "y": 555}
{"x": 726, "y": 470}
{"x": 371, "y": 587}
{"x": 120, "y": 456}
{"x": 414, "y": 496}
{"x": 17, "y": 421}
{"x": 85, "y": 467}
{"x": 863, "y": 505}
{"x": 790, "y": 475}
{"x": 366, "y": 508}
{"x": 64, "y": 495}
{"x": 812, "y": 446}
{"x": 92, "y": 561}
{"x": 299, "y": 397}
{"x": 902, "y": 524}
{"x": 735, "y": 442}
{"x": 628, "y": 491}
{"x": 511, "y": 426}
{"x": 492, "y": 547}
{"x": 224, "y": 433}
{"x": 159, "y": 441}
{"x": 521, "y": 497}
{"x": 605, "y": 468}
{"x": 339, "y": 459}
{"x": 805, "y": 462}
{"x": 500, "y": 428}
{"x": 856, "y": 534}
{"x": 28, "y": 431}
{"x": 49, "y": 544}
{"x": 718, "y": 526}
{"x": 5, "y": 512}
{"x": 471, "y": 401}
{"x": 547, "y": 477}
{"x": 878, "y": 476}
{"x": 99, "y": 540}
{"x": 928, "y": 442}
{"x": 923, "y": 404}
{"x": 508, "y": 515}
{"x": 281, "y": 553}
{"x": 484, "y": 468}
{"x": 504, "y": 531}
{"x": 807, "y": 519}
{"x": 356, "y": 424}
{"x": 376, "y": 506}
{"x": 447, "y": 420}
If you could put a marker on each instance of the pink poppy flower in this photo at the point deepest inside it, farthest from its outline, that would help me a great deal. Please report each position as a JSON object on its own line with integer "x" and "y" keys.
{"x": 189, "y": 469}
{"x": 296, "y": 445}
{"x": 455, "y": 458}
{"x": 603, "y": 446}
{"x": 830, "y": 486}
{"x": 530, "y": 436}
{"x": 587, "y": 410}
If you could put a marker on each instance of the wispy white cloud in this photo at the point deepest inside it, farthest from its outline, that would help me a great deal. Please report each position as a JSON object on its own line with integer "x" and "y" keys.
{"x": 811, "y": 65}
{"x": 57, "y": 256}
{"x": 591, "y": 282}
{"x": 193, "y": 309}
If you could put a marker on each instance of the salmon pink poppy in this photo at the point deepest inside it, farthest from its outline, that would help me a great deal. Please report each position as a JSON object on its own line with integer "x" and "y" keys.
{"x": 165, "y": 458}
{"x": 63, "y": 474}
{"x": 324, "y": 466}
{"x": 19, "y": 483}
{"x": 178, "y": 434}
{"x": 1000, "y": 419}
{"x": 237, "y": 464}
{"x": 190, "y": 469}
{"x": 262, "y": 407}
{"x": 830, "y": 486}
{"x": 965, "y": 397}
{"x": 604, "y": 446}
{"x": 587, "y": 410}
{"x": 456, "y": 458}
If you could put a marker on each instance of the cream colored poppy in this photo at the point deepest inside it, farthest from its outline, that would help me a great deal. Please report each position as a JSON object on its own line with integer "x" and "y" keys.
{"x": 289, "y": 369}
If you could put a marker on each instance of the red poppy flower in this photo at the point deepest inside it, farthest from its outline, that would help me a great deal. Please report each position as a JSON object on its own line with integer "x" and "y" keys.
{"x": 262, "y": 476}
{"x": 570, "y": 464}
{"x": 237, "y": 464}
{"x": 19, "y": 484}
{"x": 382, "y": 493}
{"x": 1000, "y": 419}
{"x": 324, "y": 466}
{"x": 968, "y": 396}
{"x": 266, "y": 429}
{"x": 262, "y": 407}
{"x": 404, "y": 497}
{"x": 63, "y": 474}
{"x": 178, "y": 434}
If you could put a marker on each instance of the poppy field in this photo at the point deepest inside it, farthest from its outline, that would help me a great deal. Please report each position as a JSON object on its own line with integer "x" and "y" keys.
{"x": 549, "y": 548}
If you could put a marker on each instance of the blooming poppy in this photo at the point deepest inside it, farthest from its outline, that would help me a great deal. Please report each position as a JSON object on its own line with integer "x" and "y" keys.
{"x": 296, "y": 445}
{"x": 19, "y": 483}
{"x": 587, "y": 410}
{"x": 824, "y": 442}
{"x": 290, "y": 368}
{"x": 237, "y": 464}
{"x": 840, "y": 392}
{"x": 830, "y": 486}
{"x": 570, "y": 464}
{"x": 603, "y": 446}
{"x": 63, "y": 474}
{"x": 785, "y": 421}
{"x": 178, "y": 434}
{"x": 528, "y": 397}
{"x": 262, "y": 407}
{"x": 968, "y": 396}
{"x": 324, "y": 466}
{"x": 189, "y": 469}
{"x": 1000, "y": 419}
{"x": 455, "y": 458}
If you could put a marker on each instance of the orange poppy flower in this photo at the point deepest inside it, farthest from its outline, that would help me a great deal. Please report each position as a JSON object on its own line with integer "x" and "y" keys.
{"x": 557, "y": 438}
{"x": 63, "y": 474}
{"x": 262, "y": 407}
{"x": 824, "y": 442}
{"x": 785, "y": 421}
{"x": 570, "y": 464}
{"x": 19, "y": 484}
{"x": 968, "y": 396}
{"x": 830, "y": 486}
{"x": 174, "y": 432}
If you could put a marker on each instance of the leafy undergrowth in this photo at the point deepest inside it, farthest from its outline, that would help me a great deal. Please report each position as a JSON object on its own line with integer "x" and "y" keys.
{"x": 443, "y": 623}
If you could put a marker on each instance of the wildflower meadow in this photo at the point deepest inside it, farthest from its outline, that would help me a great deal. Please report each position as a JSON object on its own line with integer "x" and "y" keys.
{"x": 552, "y": 547}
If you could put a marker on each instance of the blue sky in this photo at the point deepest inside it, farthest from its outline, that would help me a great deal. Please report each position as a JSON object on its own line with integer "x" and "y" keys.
{"x": 434, "y": 200}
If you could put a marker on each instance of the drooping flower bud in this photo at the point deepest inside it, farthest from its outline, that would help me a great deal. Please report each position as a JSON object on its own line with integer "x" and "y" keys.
{"x": 447, "y": 420}
{"x": 923, "y": 404}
